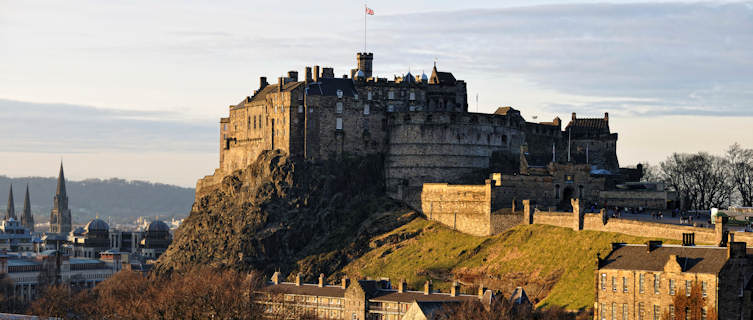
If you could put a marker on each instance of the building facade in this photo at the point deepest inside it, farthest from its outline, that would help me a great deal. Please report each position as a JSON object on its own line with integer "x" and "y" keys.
{"x": 641, "y": 281}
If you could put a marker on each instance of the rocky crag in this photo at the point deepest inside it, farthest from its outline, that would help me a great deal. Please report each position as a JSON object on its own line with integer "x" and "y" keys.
{"x": 287, "y": 214}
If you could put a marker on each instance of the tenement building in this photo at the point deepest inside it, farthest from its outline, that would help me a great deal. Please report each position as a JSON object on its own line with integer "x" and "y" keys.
{"x": 421, "y": 127}
{"x": 357, "y": 300}
{"x": 642, "y": 282}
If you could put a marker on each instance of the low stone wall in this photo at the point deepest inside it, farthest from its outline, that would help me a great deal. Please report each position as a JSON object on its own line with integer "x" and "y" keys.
{"x": 208, "y": 183}
{"x": 559, "y": 219}
{"x": 500, "y": 222}
{"x": 466, "y": 208}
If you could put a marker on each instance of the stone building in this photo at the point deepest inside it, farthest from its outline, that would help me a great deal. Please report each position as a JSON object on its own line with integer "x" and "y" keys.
{"x": 91, "y": 240}
{"x": 421, "y": 127}
{"x": 357, "y": 300}
{"x": 60, "y": 217}
{"x": 640, "y": 281}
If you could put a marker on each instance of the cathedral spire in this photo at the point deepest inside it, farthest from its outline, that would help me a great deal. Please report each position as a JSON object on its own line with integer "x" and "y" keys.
{"x": 60, "y": 217}
{"x": 11, "y": 211}
{"x": 61, "y": 182}
{"x": 27, "y": 220}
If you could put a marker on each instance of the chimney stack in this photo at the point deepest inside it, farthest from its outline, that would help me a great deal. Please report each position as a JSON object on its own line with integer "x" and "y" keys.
{"x": 316, "y": 74}
{"x": 427, "y": 287}
{"x": 481, "y": 291}
{"x": 345, "y": 282}
{"x": 606, "y": 116}
{"x": 276, "y": 277}
{"x": 736, "y": 250}
{"x": 298, "y": 280}
{"x": 293, "y": 75}
{"x": 321, "y": 280}
{"x": 281, "y": 83}
{"x": 328, "y": 73}
{"x": 401, "y": 286}
{"x": 573, "y": 115}
{"x": 653, "y": 244}
{"x": 308, "y": 75}
{"x": 455, "y": 289}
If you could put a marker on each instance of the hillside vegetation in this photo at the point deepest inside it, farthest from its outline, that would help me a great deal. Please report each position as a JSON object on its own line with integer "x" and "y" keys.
{"x": 555, "y": 265}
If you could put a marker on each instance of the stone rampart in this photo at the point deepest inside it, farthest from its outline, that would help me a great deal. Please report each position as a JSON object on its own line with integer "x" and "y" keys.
{"x": 466, "y": 208}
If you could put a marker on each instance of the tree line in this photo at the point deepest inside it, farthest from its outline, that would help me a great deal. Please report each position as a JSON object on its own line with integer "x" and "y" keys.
{"x": 703, "y": 180}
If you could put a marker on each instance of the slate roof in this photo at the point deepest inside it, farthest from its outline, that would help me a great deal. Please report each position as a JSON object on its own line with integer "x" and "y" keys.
{"x": 697, "y": 259}
{"x": 519, "y": 296}
{"x": 329, "y": 87}
{"x": 306, "y": 289}
{"x": 441, "y": 77}
{"x": 590, "y": 123}
{"x": 271, "y": 88}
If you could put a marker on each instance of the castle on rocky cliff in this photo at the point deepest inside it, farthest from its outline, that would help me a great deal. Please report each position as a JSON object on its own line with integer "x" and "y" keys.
{"x": 420, "y": 125}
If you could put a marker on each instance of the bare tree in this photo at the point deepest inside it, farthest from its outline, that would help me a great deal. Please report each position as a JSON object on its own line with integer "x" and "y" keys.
{"x": 701, "y": 179}
{"x": 741, "y": 172}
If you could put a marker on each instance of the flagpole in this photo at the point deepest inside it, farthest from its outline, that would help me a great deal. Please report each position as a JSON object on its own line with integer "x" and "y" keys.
{"x": 365, "y": 8}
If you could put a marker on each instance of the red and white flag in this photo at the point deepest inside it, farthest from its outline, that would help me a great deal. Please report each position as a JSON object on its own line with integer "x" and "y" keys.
{"x": 369, "y": 11}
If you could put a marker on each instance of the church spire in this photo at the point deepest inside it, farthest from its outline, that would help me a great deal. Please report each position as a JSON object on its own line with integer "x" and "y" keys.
{"x": 11, "y": 211}
{"x": 61, "y": 182}
{"x": 27, "y": 220}
{"x": 60, "y": 217}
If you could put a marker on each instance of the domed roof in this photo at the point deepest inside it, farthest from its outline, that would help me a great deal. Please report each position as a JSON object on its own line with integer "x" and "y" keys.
{"x": 97, "y": 225}
{"x": 157, "y": 225}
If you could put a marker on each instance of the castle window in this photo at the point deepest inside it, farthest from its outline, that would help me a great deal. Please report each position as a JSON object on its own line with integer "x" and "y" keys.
{"x": 412, "y": 96}
{"x": 624, "y": 284}
{"x": 366, "y": 109}
{"x": 224, "y": 127}
{"x": 704, "y": 288}
{"x": 657, "y": 312}
{"x": 657, "y": 283}
{"x": 557, "y": 193}
{"x": 687, "y": 288}
{"x": 339, "y": 124}
{"x": 603, "y": 281}
{"x": 339, "y": 94}
{"x": 391, "y": 95}
{"x": 390, "y": 108}
{"x": 671, "y": 311}
{"x": 671, "y": 287}
{"x": 412, "y": 108}
{"x": 311, "y": 109}
{"x": 614, "y": 284}
{"x": 368, "y": 96}
{"x": 339, "y": 107}
{"x": 300, "y": 109}
{"x": 504, "y": 139}
{"x": 641, "y": 282}
{"x": 355, "y": 96}
{"x": 254, "y": 122}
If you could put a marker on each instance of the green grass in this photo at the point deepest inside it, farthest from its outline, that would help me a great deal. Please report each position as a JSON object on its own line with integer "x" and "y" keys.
{"x": 559, "y": 260}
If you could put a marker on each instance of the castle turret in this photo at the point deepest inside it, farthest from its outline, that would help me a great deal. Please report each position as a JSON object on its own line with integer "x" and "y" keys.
{"x": 60, "y": 217}
{"x": 27, "y": 220}
{"x": 11, "y": 211}
{"x": 365, "y": 60}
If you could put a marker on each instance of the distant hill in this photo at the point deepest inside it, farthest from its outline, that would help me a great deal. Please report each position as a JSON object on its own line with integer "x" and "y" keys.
{"x": 121, "y": 200}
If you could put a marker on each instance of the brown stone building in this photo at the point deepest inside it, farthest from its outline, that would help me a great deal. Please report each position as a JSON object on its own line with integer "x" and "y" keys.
{"x": 640, "y": 281}
{"x": 357, "y": 300}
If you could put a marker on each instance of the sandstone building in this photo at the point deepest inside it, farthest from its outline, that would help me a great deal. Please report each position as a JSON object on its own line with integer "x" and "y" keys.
{"x": 358, "y": 300}
{"x": 641, "y": 281}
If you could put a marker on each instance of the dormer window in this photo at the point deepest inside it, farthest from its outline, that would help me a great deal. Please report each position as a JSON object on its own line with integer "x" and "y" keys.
{"x": 339, "y": 94}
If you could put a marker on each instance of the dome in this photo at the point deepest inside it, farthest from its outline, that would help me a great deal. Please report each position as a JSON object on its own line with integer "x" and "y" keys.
{"x": 157, "y": 226}
{"x": 97, "y": 225}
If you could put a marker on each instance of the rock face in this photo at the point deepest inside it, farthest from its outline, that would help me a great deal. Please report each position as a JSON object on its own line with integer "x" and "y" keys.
{"x": 289, "y": 215}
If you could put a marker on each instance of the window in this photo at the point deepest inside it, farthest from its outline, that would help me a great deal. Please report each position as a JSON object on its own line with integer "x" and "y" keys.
{"x": 603, "y": 281}
{"x": 641, "y": 282}
{"x": 366, "y": 108}
{"x": 603, "y": 311}
{"x": 412, "y": 96}
{"x": 687, "y": 288}
{"x": 624, "y": 284}
{"x": 391, "y": 95}
{"x": 624, "y": 311}
{"x": 339, "y": 124}
{"x": 704, "y": 288}
{"x": 339, "y": 94}
{"x": 657, "y": 283}
{"x": 225, "y": 127}
{"x": 368, "y": 95}
{"x": 300, "y": 109}
{"x": 640, "y": 311}
{"x": 390, "y": 108}
{"x": 355, "y": 317}
{"x": 614, "y": 311}
{"x": 703, "y": 314}
{"x": 671, "y": 287}
{"x": 614, "y": 284}
{"x": 311, "y": 109}
{"x": 657, "y": 312}
{"x": 671, "y": 311}
{"x": 355, "y": 96}
{"x": 339, "y": 107}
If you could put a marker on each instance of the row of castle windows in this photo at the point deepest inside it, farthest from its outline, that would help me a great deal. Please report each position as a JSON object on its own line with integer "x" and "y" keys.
{"x": 657, "y": 312}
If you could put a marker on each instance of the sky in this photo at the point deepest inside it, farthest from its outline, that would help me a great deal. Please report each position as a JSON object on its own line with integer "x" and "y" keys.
{"x": 135, "y": 89}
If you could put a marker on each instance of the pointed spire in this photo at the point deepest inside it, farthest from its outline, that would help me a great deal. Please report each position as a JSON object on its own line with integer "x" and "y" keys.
{"x": 11, "y": 211}
{"x": 61, "y": 182}
{"x": 27, "y": 220}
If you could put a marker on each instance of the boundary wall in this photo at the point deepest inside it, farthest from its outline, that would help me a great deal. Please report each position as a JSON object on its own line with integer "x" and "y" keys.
{"x": 577, "y": 220}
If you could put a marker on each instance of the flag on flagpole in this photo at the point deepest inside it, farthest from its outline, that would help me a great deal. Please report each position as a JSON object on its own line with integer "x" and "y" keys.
{"x": 369, "y": 11}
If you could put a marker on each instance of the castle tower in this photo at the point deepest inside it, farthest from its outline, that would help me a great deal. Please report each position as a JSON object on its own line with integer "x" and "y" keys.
{"x": 365, "y": 60}
{"x": 27, "y": 220}
{"x": 60, "y": 217}
{"x": 11, "y": 211}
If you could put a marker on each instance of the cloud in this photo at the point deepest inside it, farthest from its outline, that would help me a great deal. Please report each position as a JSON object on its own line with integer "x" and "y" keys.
{"x": 686, "y": 58}
{"x": 66, "y": 128}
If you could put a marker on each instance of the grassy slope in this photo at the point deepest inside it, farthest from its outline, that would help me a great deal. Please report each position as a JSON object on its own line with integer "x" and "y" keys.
{"x": 541, "y": 258}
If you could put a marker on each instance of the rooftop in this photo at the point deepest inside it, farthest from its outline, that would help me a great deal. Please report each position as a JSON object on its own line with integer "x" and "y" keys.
{"x": 693, "y": 259}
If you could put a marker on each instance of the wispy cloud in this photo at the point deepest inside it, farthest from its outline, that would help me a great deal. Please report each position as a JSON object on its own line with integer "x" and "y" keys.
{"x": 65, "y": 128}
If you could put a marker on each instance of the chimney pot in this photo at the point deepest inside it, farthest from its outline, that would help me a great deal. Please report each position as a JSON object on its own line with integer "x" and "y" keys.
{"x": 321, "y": 280}
{"x": 481, "y": 291}
{"x": 293, "y": 75}
{"x": 427, "y": 287}
{"x": 298, "y": 280}
{"x": 606, "y": 116}
{"x": 345, "y": 282}
{"x": 455, "y": 288}
{"x": 401, "y": 286}
{"x": 308, "y": 74}
{"x": 317, "y": 74}
{"x": 262, "y": 82}
{"x": 573, "y": 115}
